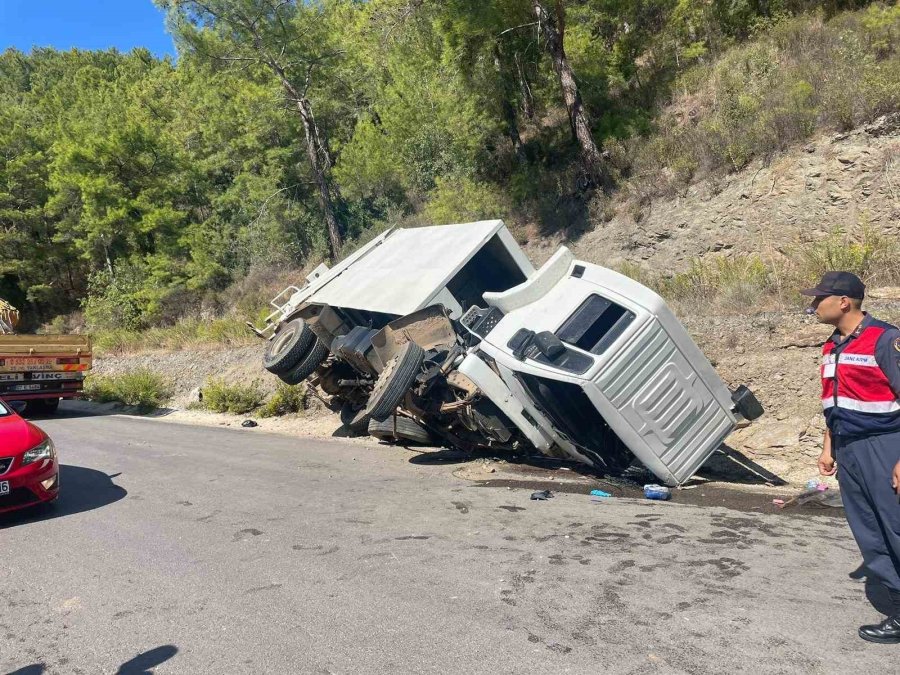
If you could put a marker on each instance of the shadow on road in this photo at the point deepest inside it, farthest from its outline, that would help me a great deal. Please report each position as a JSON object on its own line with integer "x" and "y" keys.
{"x": 879, "y": 597}
{"x": 726, "y": 464}
{"x": 142, "y": 664}
{"x": 81, "y": 489}
{"x": 79, "y": 409}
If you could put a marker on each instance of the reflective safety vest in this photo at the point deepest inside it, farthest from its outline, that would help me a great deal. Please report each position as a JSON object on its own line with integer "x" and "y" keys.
{"x": 856, "y": 394}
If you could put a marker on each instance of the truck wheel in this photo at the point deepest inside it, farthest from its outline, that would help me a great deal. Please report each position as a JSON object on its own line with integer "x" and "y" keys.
{"x": 354, "y": 419}
{"x": 406, "y": 429}
{"x": 395, "y": 380}
{"x": 307, "y": 365}
{"x": 290, "y": 344}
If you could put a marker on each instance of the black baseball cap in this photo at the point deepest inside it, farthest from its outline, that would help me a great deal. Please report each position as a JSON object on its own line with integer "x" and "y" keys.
{"x": 838, "y": 283}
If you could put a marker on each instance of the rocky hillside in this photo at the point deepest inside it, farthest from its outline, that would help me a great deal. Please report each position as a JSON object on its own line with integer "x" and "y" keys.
{"x": 844, "y": 180}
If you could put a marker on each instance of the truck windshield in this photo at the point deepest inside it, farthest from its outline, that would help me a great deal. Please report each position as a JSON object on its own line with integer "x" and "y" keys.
{"x": 595, "y": 325}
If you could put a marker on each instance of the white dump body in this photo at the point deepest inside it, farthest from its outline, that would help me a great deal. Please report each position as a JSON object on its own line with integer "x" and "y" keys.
{"x": 405, "y": 270}
{"x": 652, "y": 384}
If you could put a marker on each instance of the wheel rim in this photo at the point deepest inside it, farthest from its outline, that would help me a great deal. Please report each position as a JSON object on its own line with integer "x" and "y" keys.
{"x": 282, "y": 340}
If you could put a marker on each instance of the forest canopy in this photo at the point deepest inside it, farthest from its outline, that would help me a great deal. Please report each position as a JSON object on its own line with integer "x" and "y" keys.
{"x": 138, "y": 188}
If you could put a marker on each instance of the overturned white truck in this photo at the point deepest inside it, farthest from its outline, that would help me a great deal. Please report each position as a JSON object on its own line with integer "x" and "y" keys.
{"x": 449, "y": 334}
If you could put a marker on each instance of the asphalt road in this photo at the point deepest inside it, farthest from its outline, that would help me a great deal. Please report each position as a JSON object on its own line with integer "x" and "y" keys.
{"x": 180, "y": 549}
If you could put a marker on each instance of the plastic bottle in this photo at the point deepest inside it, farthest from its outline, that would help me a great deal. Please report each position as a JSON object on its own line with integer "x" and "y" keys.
{"x": 654, "y": 491}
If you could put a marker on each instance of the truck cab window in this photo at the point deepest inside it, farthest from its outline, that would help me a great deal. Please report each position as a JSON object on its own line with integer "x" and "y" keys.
{"x": 595, "y": 325}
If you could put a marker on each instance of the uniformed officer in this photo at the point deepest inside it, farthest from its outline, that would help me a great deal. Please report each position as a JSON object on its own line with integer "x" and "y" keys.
{"x": 861, "y": 398}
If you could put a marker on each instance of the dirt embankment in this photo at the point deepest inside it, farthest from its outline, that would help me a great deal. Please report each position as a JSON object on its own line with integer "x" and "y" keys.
{"x": 842, "y": 180}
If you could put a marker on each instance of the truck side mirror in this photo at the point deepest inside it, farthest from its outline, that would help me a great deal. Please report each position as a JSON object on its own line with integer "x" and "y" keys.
{"x": 549, "y": 345}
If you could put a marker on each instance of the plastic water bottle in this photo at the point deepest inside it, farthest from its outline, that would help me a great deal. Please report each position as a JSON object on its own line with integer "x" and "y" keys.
{"x": 654, "y": 491}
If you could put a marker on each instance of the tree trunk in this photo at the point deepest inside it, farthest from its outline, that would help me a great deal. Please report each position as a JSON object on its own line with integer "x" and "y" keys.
{"x": 551, "y": 27}
{"x": 512, "y": 131}
{"x": 319, "y": 156}
{"x": 506, "y": 93}
{"x": 319, "y": 166}
{"x": 527, "y": 96}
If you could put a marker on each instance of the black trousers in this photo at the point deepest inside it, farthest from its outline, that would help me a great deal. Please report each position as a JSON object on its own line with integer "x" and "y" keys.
{"x": 865, "y": 467}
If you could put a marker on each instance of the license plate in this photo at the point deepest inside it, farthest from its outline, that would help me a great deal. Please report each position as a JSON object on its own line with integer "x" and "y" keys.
{"x": 4, "y": 487}
{"x": 25, "y": 387}
{"x": 31, "y": 364}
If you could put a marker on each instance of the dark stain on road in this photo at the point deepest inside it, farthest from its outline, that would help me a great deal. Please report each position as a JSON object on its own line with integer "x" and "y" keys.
{"x": 301, "y": 547}
{"x": 511, "y": 508}
{"x": 246, "y": 533}
{"x": 259, "y": 589}
{"x": 412, "y": 536}
{"x": 462, "y": 507}
{"x": 727, "y": 568}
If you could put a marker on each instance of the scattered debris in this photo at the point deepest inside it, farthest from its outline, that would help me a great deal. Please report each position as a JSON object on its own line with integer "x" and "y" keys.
{"x": 817, "y": 495}
{"x": 541, "y": 495}
{"x": 599, "y": 495}
{"x": 660, "y": 492}
{"x": 249, "y": 423}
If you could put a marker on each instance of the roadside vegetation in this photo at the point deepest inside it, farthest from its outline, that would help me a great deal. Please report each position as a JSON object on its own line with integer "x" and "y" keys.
{"x": 142, "y": 388}
{"x": 286, "y": 400}
{"x": 736, "y": 284}
{"x": 237, "y": 398}
{"x": 240, "y": 398}
{"x": 184, "y": 334}
{"x": 144, "y": 199}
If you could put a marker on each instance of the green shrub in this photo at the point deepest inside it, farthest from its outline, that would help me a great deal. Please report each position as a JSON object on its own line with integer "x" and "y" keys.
{"x": 238, "y": 399}
{"x": 799, "y": 73}
{"x": 737, "y": 281}
{"x": 462, "y": 200}
{"x": 287, "y": 399}
{"x": 141, "y": 387}
{"x": 872, "y": 256}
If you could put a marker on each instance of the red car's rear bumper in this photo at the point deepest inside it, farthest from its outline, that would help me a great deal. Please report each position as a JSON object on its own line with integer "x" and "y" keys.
{"x": 26, "y": 484}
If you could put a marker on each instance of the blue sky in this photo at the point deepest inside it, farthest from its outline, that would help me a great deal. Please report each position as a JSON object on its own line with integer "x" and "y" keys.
{"x": 86, "y": 24}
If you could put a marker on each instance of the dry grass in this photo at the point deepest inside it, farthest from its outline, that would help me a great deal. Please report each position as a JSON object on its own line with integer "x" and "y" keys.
{"x": 186, "y": 334}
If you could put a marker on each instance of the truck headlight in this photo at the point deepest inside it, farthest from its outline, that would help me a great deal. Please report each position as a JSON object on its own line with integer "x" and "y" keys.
{"x": 43, "y": 450}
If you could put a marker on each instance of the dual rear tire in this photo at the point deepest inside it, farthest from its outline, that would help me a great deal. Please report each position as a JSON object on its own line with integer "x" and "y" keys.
{"x": 294, "y": 353}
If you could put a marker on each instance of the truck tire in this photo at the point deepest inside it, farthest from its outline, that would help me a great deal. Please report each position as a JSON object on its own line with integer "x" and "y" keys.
{"x": 41, "y": 406}
{"x": 354, "y": 419}
{"x": 289, "y": 345}
{"x": 307, "y": 365}
{"x": 395, "y": 380}
{"x": 406, "y": 429}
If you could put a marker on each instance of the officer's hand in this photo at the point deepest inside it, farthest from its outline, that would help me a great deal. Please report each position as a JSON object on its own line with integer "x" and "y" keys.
{"x": 895, "y": 480}
{"x": 827, "y": 467}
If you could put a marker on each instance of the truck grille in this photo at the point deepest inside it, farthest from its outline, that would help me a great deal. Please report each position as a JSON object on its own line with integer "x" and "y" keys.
{"x": 665, "y": 400}
{"x": 5, "y": 463}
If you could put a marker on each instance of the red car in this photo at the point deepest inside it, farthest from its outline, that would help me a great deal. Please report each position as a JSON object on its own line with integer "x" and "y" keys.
{"x": 29, "y": 472}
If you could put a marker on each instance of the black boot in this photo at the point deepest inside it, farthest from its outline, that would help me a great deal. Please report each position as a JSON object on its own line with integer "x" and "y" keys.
{"x": 887, "y": 632}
